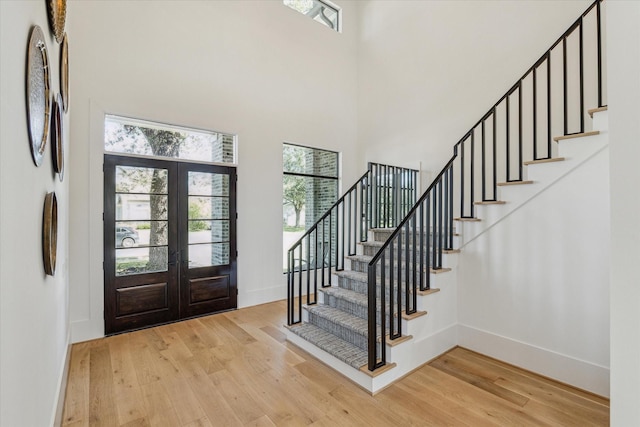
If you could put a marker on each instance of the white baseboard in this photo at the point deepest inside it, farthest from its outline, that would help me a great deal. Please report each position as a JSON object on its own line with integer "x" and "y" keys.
{"x": 62, "y": 387}
{"x": 578, "y": 373}
{"x": 262, "y": 296}
{"x": 86, "y": 330}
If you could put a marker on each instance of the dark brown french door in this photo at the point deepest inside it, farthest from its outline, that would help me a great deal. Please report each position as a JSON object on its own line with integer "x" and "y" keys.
{"x": 169, "y": 241}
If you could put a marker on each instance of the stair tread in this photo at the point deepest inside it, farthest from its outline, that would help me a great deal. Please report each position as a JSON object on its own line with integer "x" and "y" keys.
{"x": 576, "y": 135}
{"x": 542, "y": 161}
{"x": 339, "y": 348}
{"x": 342, "y": 318}
{"x": 502, "y": 184}
{"x": 353, "y": 275}
{"x": 351, "y": 296}
{"x": 346, "y": 294}
{"x": 364, "y": 277}
{"x": 596, "y": 110}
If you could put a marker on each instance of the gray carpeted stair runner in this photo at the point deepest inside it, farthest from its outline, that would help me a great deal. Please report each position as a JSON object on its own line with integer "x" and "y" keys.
{"x": 339, "y": 326}
{"x": 348, "y": 353}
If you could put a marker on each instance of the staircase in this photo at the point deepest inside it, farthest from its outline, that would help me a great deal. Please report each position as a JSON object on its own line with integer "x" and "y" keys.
{"x": 388, "y": 304}
{"x": 336, "y": 328}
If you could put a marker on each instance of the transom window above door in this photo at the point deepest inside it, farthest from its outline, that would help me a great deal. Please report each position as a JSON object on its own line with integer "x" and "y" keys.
{"x": 136, "y": 137}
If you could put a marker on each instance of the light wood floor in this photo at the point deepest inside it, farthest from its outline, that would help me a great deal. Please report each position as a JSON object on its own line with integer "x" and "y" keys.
{"x": 236, "y": 369}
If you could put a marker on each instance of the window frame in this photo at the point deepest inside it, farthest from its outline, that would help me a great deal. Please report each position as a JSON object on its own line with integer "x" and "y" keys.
{"x": 336, "y": 178}
{"x": 328, "y": 4}
{"x": 153, "y": 124}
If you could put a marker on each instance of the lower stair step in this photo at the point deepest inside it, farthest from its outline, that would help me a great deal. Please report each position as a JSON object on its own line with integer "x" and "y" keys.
{"x": 339, "y": 348}
{"x": 348, "y": 327}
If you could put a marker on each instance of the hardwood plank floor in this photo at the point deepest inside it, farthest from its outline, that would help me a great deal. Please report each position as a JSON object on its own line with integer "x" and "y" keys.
{"x": 236, "y": 369}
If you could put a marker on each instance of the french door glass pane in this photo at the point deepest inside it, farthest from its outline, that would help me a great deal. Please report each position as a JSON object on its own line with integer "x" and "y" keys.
{"x": 208, "y": 207}
{"x": 140, "y": 207}
{"x": 141, "y": 229}
{"x": 208, "y": 231}
{"x": 133, "y": 179}
{"x": 141, "y": 260}
{"x": 138, "y": 233}
{"x": 208, "y": 219}
{"x": 208, "y": 254}
{"x": 208, "y": 184}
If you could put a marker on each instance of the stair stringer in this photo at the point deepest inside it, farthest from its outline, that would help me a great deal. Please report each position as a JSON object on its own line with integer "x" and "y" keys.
{"x": 575, "y": 152}
{"x": 541, "y": 280}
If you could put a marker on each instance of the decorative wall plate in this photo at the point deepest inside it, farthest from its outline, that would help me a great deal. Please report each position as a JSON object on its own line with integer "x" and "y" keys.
{"x": 64, "y": 73}
{"x": 57, "y": 16}
{"x": 38, "y": 98}
{"x": 50, "y": 233}
{"x": 57, "y": 138}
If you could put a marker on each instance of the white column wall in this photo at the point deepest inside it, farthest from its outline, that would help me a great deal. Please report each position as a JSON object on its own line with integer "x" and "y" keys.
{"x": 623, "y": 32}
{"x": 533, "y": 290}
{"x": 34, "y": 323}
{"x": 254, "y": 68}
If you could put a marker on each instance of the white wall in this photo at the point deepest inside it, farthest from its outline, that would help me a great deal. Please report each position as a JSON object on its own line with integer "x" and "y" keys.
{"x": 34, "y": 325}
{"x": 534, "y": 288}
{"x": 429, "y": 70}
{"x": 623, "y": 20}
{"x": 254, "y": 68}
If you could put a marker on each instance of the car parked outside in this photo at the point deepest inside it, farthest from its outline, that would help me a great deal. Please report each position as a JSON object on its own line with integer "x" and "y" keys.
{"x": 126, "y": 237}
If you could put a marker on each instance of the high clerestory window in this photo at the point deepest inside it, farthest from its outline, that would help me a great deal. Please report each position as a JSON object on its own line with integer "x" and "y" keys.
{"x": 309, "y": 189}
{"x": 321, "y": 11}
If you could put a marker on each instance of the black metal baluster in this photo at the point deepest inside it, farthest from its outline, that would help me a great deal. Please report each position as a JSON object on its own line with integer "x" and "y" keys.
{"x": 472, "y": 175}
{"x": 341, "y": 258}
{"x": 401, "y": 258}
{"x": 581, "y": 78}
{"x": 407, "y": 255}
{"x": 495, "y": 161}
{"x": 549, "y": 138}
{"x": 371, "y": 314}
{"x": 599, "y": 37}
{"x": 564, "y": 79}
{"x": 300, "y": 283}
{"x": 308, "y": 265}
{"x": 427, "y": 258}
{"x": 362, "y": 210}
{"x": 434, "y": 228}
{"x": 535, "y": 113}
{"x": 445, "y": 206}
{"x": 462, "y": 179}
{"x": 347, "y": 221}
{"x": 520, "y": 166}
{"x": 484, "y": 168}
{"x": 392, "y": 308}
{"x": 421, "y": 213}
{"x": 289, "y": 299}
{"x": 451, "y": 205}
{"x": 379, "y": 188}
{"x": 440, "y": 223}
{"x": 315, "y": 268}
{"x": 386, "y": 197}
{"x": 331, "y": 244}
{"x": 508, "y": 150}
{"x": 414, "y": 293}
{"x": 323, "y": 248}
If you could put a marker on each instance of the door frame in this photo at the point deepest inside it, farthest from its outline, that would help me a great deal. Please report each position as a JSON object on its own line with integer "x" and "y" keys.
{"x": 176, "y": 274}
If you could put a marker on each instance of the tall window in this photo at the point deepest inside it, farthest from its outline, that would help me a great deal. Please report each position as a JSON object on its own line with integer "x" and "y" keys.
{"x": 321, "y": 11}
{"x": 309, "y": 189}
